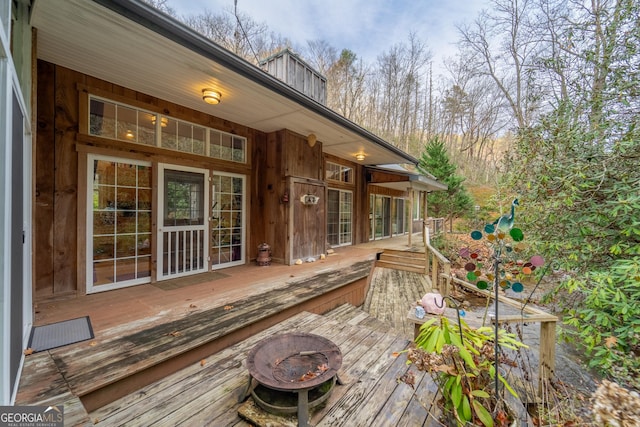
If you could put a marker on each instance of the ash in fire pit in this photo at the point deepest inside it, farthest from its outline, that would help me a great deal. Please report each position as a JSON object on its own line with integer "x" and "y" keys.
{"x": 295, "y": 363}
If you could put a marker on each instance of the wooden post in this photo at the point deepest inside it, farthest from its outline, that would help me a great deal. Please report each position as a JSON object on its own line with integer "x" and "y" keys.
{"x": 409, "y": 215}
{"x": 435, "y": 266}
{"x": 445, "y": 280}
{"x": 547, "y": 353}
{"x": 427, "y": 255}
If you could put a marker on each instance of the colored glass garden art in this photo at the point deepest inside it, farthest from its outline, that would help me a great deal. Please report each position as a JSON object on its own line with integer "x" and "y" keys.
{"x": 495, "y": 262}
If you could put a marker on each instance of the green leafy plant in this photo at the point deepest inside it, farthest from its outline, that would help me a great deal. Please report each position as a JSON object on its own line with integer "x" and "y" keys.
{"x": 608, "y": 320}
{"x": 461, "y": 362}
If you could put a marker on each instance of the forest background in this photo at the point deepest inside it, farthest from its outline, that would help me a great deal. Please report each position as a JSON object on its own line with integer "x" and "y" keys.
{"x": 540, "y": 102}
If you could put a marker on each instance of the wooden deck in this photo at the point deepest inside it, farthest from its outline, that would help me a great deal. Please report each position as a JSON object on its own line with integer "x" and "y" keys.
{"x": 207, "y": 393}
{"x": 392, "y": 293}
{"x": 145, "y": 328}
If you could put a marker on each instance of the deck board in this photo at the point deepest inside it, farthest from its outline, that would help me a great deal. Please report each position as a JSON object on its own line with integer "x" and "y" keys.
{"x": 86, "y": 368}
{"x": 392, "y": 293}
{"x": 209, "y": 394}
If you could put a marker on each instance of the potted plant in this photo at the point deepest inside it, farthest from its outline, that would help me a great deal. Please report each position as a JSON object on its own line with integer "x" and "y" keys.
{"x": 461, "y": 361}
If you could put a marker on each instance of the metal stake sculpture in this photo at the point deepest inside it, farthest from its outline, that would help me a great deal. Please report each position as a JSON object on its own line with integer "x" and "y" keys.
{"x": 504, "y": 243}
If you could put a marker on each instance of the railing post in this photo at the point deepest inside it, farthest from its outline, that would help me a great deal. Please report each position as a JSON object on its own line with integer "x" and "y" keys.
{"x": 445, "y": 279}
{"x": 547, "y": 353}
{"x": 435, "y": 267}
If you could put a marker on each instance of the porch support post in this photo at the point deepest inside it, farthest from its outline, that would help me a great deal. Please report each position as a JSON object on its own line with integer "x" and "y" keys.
{"x": 409, "y": 213}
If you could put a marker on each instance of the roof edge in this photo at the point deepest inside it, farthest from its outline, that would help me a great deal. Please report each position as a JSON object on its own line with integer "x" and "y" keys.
{"x": 176, "y": 31}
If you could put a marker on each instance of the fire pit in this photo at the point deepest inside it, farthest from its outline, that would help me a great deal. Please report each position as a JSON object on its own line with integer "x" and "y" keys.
{"x": 286, "y": 365}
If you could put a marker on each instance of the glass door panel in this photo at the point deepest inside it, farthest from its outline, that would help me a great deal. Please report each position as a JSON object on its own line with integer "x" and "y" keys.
{"x": 118, "y": 223}
{"x": 227, "y": 220}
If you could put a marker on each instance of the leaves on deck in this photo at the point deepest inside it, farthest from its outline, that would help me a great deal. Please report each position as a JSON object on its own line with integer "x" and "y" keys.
{"x": 228, "y": 307}
{"x": 28, "y": 351}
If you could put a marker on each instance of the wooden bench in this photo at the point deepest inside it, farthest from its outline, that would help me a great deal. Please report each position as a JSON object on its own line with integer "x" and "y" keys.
{"x": 118, "y": 366}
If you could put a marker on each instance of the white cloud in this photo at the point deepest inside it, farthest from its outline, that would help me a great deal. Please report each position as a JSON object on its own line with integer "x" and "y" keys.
{"x": 367, "y": 27}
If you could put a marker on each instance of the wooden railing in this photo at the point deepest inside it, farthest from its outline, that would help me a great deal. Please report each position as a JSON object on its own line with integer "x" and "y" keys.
{"x": 432, "y": 227}
{"x": 438, "y": 267}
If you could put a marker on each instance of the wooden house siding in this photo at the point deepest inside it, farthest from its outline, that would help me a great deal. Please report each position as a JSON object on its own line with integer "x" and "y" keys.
{"x": 60, "y": 152}
{"x": 281, "y": 167}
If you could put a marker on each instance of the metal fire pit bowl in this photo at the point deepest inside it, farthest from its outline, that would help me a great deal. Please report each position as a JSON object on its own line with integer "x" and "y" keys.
{"x": 297, "y": 363}
{"x": 280, "y": 361}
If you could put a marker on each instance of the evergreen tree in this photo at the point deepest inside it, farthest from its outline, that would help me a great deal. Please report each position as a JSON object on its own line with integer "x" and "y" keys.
{"x": 454, "y": 202}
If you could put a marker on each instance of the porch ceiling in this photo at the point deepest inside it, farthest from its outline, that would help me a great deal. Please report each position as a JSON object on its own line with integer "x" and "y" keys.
{"x": 127, "y": 43}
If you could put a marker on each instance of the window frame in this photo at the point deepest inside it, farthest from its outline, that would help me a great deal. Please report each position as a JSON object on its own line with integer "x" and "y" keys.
{"x": 228, "y": 147}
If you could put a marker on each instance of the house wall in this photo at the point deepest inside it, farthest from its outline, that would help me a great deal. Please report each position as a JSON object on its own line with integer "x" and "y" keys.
{"x": 59, "y": 231}
{"x": 281, "y": 167}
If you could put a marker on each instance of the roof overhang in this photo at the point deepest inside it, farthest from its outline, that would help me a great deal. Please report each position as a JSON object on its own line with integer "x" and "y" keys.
{"x": 398, "y": 178}
{"x": 133, "y": 45}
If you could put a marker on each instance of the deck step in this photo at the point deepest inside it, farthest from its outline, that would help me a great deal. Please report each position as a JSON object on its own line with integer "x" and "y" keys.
{"x": 402, "y": 260}
{"x": 401, "y": 266}
{"x": 117, "y": 364}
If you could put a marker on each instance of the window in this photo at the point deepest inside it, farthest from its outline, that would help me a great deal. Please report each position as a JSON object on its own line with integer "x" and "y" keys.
{"x": 227, "y": 220}
{"x": 380, "y": 216}
{"x": 340, "y": 173}
{"x": 110, "y": 119}
{"x": 417, "y": 205}
{"x": 339, "y": 217}
{"x": 399, "y": 220}
{"x": 119, "y": 223}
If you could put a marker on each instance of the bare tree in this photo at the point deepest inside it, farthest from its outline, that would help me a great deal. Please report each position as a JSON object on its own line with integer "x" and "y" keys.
{"x": 401, "y": 72}
{"x": 501, "y": 46}
{"x": 163, "y": 6}
{"x": 321, "y": 55}
{"x": 238, "y": 33}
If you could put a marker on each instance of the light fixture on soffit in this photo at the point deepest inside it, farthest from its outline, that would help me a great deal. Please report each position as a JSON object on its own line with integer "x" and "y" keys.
{"x": 360, "y": 157}
{"x": 211, "y": 96}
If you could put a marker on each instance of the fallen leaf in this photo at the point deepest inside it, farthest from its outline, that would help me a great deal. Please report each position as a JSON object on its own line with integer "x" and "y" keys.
{"x": 408, "y": 378}
{"x": 323, "y": 368}
{"x": 192, "y": 306}
{"x": 93, "y": 343}
{"x": 174, "y": 333}
{"x": 610, "y": 341}
{"x": 203, "y": 362}
{"x": 28, "y": 351}
{"x": 446, "y": 369}
{"x": 228, "y": 307}
{"x": 395, "y": 354}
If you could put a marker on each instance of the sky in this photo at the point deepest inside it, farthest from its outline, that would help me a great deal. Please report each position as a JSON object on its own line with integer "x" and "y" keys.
{"x": 366, "y": 27}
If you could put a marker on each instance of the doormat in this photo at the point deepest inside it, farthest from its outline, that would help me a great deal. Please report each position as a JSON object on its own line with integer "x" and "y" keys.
{"x": 181, "y": 282}
{"x": 60, "y": 334}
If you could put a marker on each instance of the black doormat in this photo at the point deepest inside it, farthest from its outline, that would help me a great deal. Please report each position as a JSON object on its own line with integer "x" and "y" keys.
{"x": 60, "y": 334}
{"x": 181, "y": 282}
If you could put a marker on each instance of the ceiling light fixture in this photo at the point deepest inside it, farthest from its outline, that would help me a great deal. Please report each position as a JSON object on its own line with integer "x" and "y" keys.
{"x": 211, "y": 96}
{"x": 360, "y": 157}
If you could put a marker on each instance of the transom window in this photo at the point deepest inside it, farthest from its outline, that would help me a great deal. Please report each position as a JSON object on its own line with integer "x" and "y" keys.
{"x": 340, "y": 173}
{"x": 110, "y": 119}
